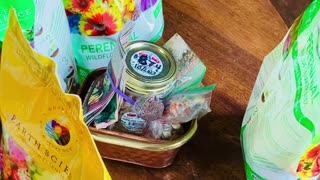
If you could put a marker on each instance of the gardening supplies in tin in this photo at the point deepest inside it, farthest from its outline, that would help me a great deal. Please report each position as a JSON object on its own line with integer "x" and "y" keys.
{"x": 151, "y": 78}
{"x": 52, "y": 39}
{"x": 95, "y": 27}
{"x": 280, "y": 133}
{"x": 44, "y": 136}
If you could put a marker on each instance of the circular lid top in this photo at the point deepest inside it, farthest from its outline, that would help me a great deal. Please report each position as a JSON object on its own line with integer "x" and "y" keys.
{"x": 150, "y": 68}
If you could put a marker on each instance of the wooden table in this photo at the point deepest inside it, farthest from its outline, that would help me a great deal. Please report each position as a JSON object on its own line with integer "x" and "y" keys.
{"x": 231, "y": 37}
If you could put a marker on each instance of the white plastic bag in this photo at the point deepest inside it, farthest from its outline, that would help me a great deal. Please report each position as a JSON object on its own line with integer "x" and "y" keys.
{"x": 280, "y": 133}
{"x": 52, "y": 39}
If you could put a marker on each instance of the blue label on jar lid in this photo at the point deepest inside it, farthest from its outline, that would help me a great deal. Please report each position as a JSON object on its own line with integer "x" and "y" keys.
{"x": 146, "y": 63}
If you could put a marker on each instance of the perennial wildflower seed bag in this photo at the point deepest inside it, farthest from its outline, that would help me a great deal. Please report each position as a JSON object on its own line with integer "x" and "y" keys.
{"x": 95, "y": 26}
{"x": 44, "y": 136}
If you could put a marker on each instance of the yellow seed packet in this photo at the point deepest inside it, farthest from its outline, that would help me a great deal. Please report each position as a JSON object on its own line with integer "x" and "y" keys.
{"x": 44, "y": 136}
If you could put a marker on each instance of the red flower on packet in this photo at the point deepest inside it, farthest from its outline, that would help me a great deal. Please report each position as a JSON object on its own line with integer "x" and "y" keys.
{"x": 101, "y": 18}
{"x": 7, "y": 171}
{"x": 101, "y": 22}
{"x": 314, "y": 152}
{"x": 79, "y": 6}
{"x": 16, "y": 163}
{"x": 309, "y": 165}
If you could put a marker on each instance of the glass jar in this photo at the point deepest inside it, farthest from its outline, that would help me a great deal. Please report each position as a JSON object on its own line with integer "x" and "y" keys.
{"x": 150, "y": 69}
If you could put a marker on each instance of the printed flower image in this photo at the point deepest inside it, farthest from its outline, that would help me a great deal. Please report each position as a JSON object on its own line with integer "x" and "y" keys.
{"x": 309, "y": 165}
{"x": 21, "y": 174}
{"x": 18, "y": 154}
{"x": 99, "y": 18}
{"x": 74, "y": 23}
{"x": 99, "y": 22}
{"x": 16, "y": 163}
{"x": 78, "y": 6}
{"x": 7, "y": 171}
{"x": 57, "y": 132}
{"x": 129, "y": 10}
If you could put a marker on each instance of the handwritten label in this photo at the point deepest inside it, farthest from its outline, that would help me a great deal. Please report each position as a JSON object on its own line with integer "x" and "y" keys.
{"x": 146, "y": 63}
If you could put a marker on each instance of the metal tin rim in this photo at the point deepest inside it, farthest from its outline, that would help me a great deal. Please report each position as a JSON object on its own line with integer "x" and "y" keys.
{"x": 103, "y": 138}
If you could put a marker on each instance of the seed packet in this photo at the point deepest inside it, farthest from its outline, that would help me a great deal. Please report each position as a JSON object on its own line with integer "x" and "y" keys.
{"x": 101, "y": 85}
{"x": 95, "y": 26}
{"x": 25, "y": 10}
{"x": 52, "y": 39}
{"x": 44, "y": 136}
{"x": 280, "y": 133}
{"x": 107, "y": 116}
{"x": 190, "y": 67}
{"x": 98, "y": 96}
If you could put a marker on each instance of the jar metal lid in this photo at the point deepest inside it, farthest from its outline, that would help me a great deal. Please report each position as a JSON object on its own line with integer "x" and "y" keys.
{"x": 150, "y": 68}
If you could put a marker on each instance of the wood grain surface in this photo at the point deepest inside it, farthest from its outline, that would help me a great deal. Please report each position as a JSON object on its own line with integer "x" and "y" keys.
{"x": 231, "y": 37}
{"x": 290, "y": 9}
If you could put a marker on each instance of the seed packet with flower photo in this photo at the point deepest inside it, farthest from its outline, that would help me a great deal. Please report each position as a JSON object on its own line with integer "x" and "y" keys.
{"x": 191, "y": 69}
{"x": 26, "y": 14}
{"x": 44, "y": 136}
{"x": 100, "y": 85}
{"x": 95, "y": 27}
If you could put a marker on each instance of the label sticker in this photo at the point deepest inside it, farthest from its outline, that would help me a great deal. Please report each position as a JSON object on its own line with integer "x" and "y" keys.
{"x": 146, "y": 63}
{"x": 132, "y": 122}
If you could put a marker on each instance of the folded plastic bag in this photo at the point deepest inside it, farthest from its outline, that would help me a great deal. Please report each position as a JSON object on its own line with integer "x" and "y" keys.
{"x": 44, "y": 136}
{"x": 192, "y": 104}
{"x": 280, "y": 133}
